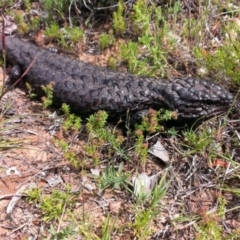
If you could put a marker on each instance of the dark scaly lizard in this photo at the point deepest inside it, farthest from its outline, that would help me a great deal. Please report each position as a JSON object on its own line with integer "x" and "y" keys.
{"x": 88, "y": 88}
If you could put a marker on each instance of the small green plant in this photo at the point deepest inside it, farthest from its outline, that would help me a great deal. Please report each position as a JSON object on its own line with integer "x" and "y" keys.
{"x": 174, "y": 10}
{"x": 129, "y": 54}
{"x": 48, "y": 99}
{"x": 140, "y": 147}
{"x": 74, "y": 34}
{"x": 30, "y": 90}
{"x": 27, "y": 4}
{"x": 142, "y": 16}
{"x": 154, "y": 61}
{"x": 69, "y": 154}
{"x": 23, "y": 27}
{"x": 34, "y": 195}
{"x": 60, "y": 235}
{"x": 199, "y": 141}
{"x": 106, "y": 40}
{"x": 119, "y": 23}
{"x": 150, "y": 124}
{"x": 56, "y": 9}
{"x": 144, "y": 216}
{"x": 147, "y": 56}
{"x": 97, "y": 121}
{"x": 7, "y": 143}
{"x": 53, "y": 31}
{"x": 113, "y": 178}
{"x": 4, "y": 3}
{"x": 100, "y": 135}
{"x": 35, "y": 24}
{"x": 53, "y": 206}
{"x": 112, "y": 63}
{"x": 62, "y": 144}
{"x": 71, "y": 121}
{"x": 108, "y": 228}
{"x": 209, "y": 229}
{"x": 222, "y": 62}
{"x": 142, "y": 222}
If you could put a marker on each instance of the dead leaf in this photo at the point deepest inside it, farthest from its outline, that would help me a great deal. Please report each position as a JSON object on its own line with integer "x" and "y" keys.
{"x": 159, "y": 151}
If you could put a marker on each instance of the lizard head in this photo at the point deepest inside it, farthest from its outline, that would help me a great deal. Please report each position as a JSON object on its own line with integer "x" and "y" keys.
{"x": 195, "y": 98}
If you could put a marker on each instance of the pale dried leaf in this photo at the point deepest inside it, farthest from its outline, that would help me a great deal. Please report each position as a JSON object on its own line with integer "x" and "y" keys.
{"x": 159, "y": 151}
{"x": 142, "y": 185}
{"x": 95, "y": 171}
{"x": 54, "y": 181}
{"x": 18, "y": 196}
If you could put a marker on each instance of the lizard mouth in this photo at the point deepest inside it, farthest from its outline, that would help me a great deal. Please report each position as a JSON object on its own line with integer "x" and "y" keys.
{"x": 202, "y": 111}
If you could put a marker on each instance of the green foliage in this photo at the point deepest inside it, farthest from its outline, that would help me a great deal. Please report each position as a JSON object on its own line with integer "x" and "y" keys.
{"x": 144, "y": 216}
{"x": 142, "y": 16}
{"x": 75, "y": 34}
{"x": 35, "y": 24}
{"x": 209, "y": 226}
{"x": 73, "y": 159}
{"x": 160, "y": 191}
{"x": 60, "y": 235}
{"x": 114, "y": 178}
{"x": 142, "y": 222}
{"x": 106, "y": 40}
{"x": 56, "y": 8}
{"x": 174, "y": 10}
{"x": 7, "y": 143}
{"x": 48, "y": 99}
{"x": 140, "y": 147}
{"x": 4, "y": 3}
{"x": 30, "y": 90}
{"x": 146, "y": 21}
{"x": 62, "y": 144}
{"x": 69, "y": 155}
{"x": 27, "y": 4}
{"x": 192, "y": 28}
{"x": 129, "y": 54}
{"x": 71, "y": 121}
{"x": 233, "y": 190}
{"x": 100, "y": 134}
{"x": 150, "y": 124}
{"x": 34, "y": 195}
{"x": 23, "y": 27}
{"x": 209, "y": 229}
{"x": 155, "y": 61}
{"x": 97, "y": 121}
{"x": 199, "y": 141}
{"x": 108, "y": 228}
{"x": 53, "y": 31}
{"x": 119, "y": 23}
{"x": 53, "y": 206}
{"x": 224, "y": 61}
{"x": 112, "y": 63}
